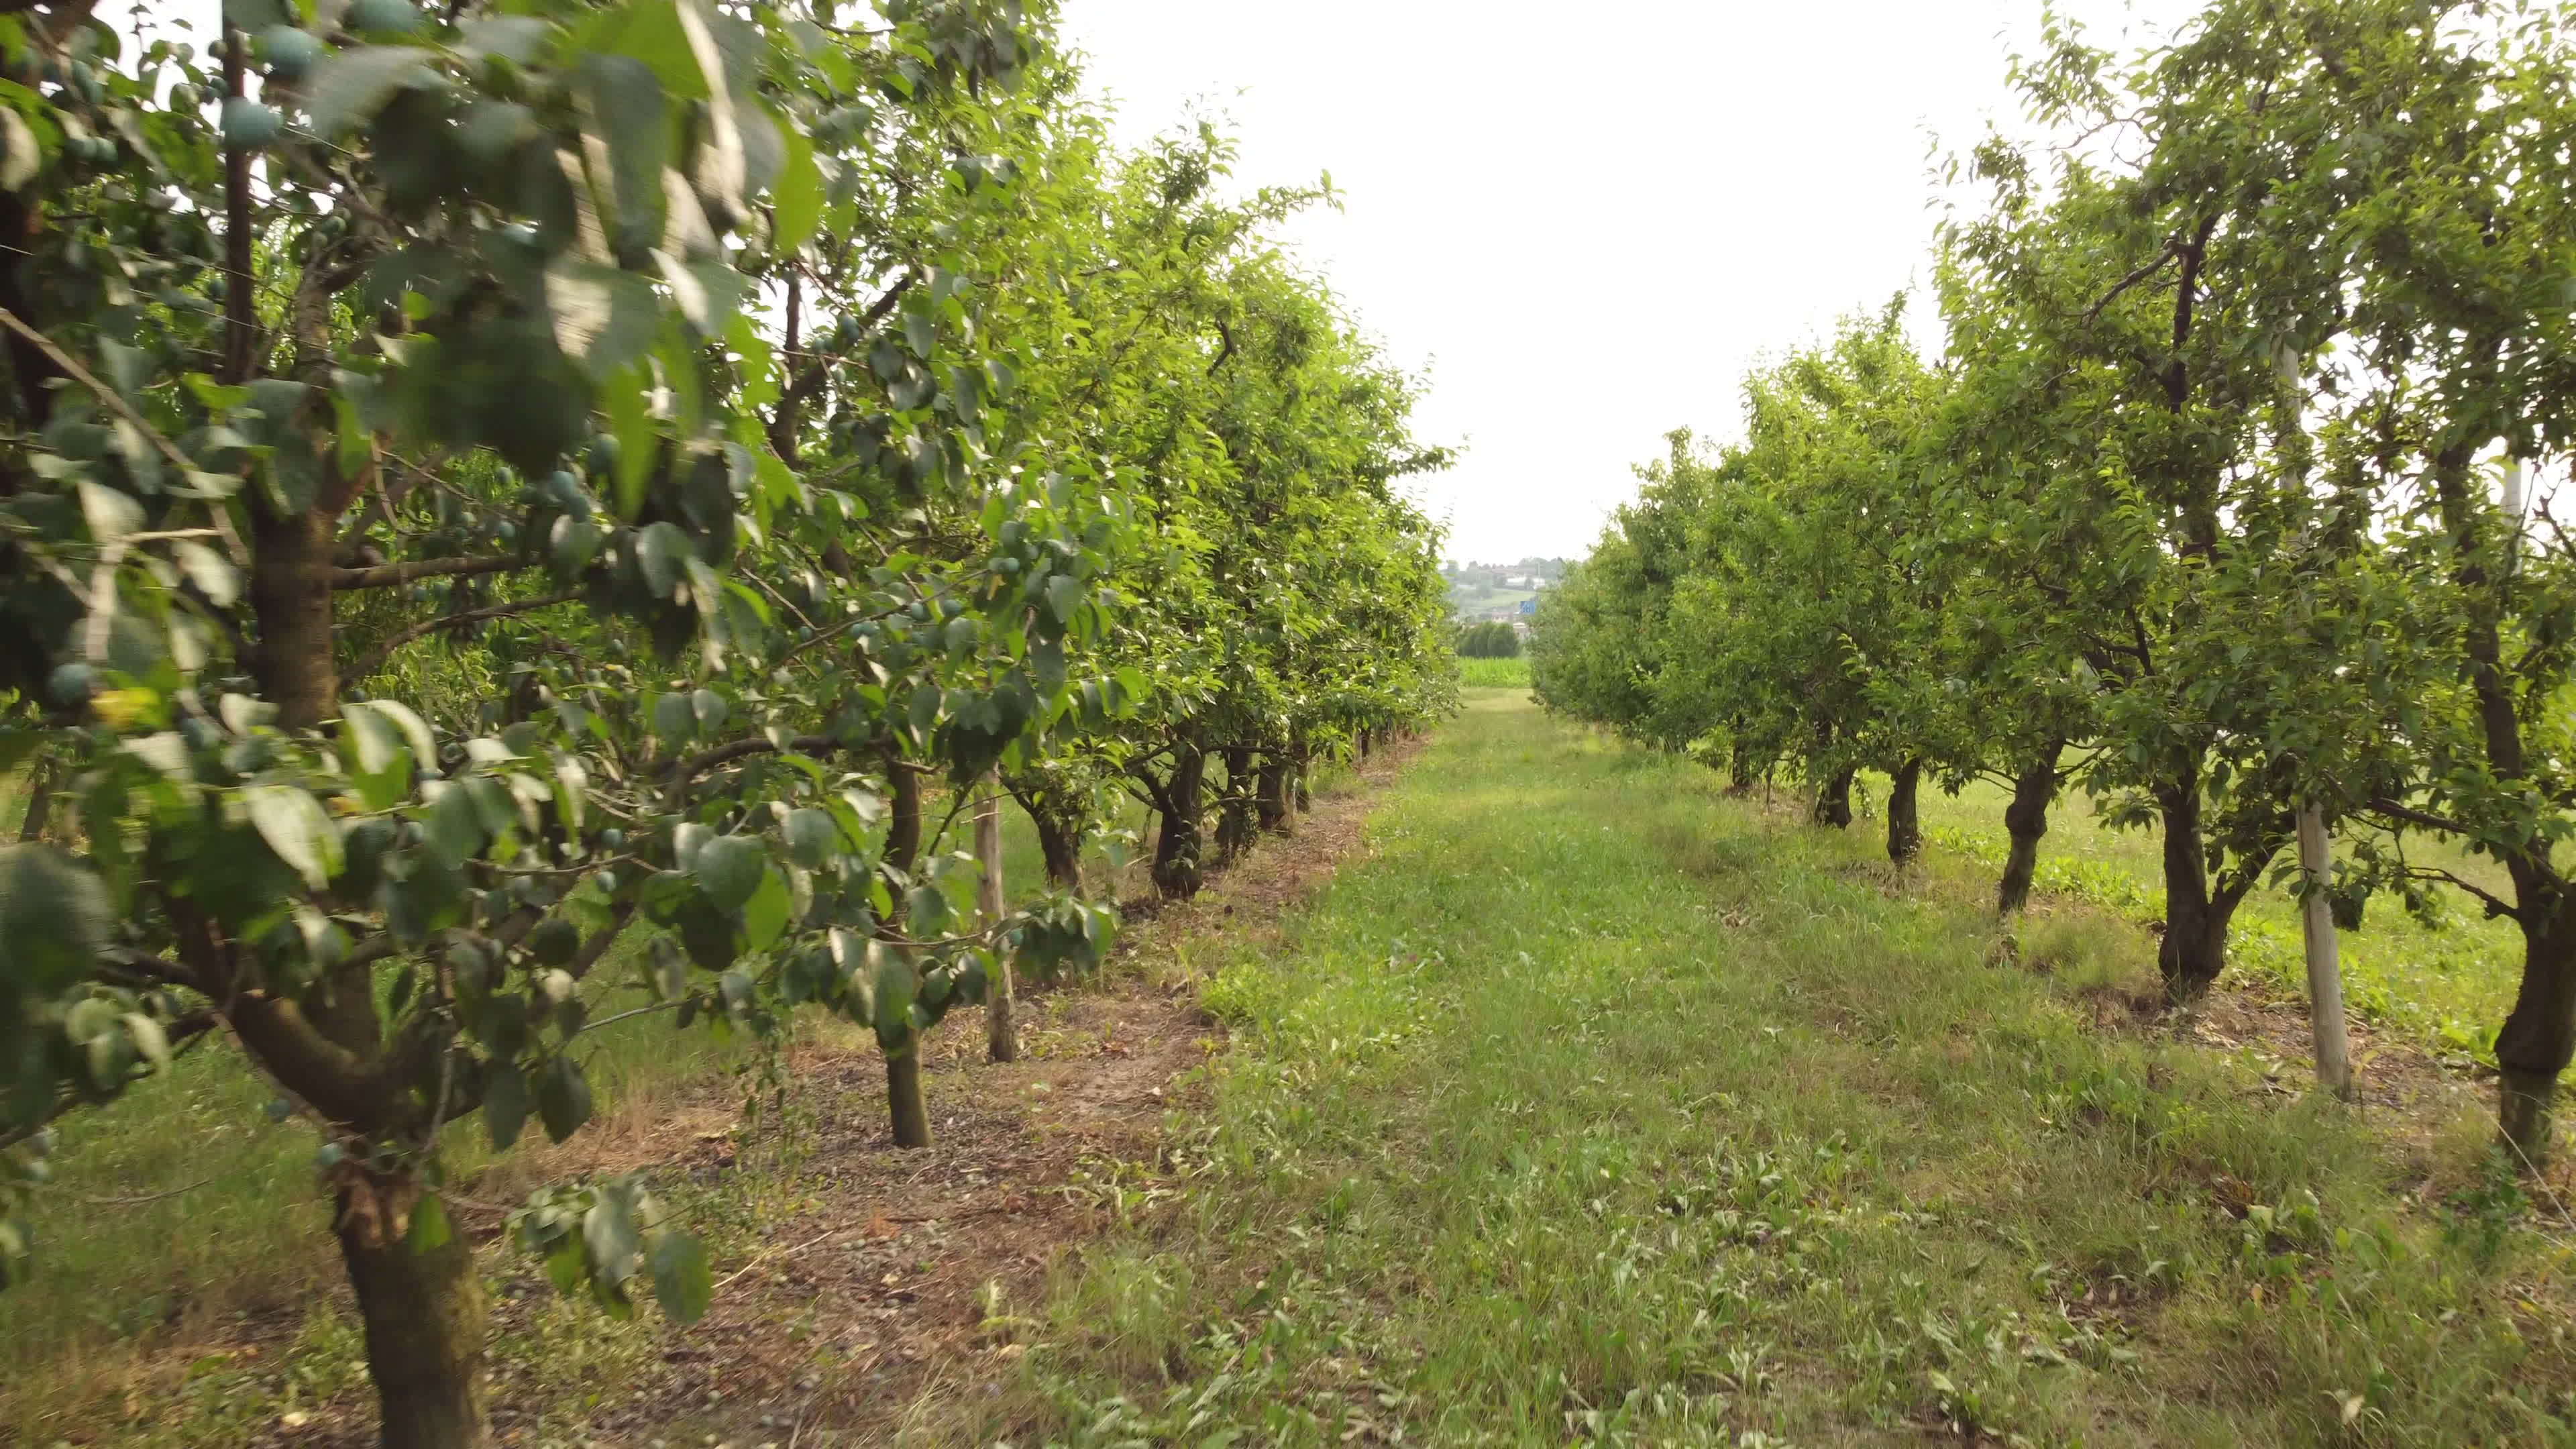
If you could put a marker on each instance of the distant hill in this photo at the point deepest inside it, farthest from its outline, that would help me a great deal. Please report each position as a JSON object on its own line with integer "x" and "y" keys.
{"x": 1483, "y": 590}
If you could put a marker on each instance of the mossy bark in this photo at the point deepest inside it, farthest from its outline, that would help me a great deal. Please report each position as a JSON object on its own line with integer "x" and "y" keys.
{"x": 1277, "y": 810}
{"x": 1177, "y": 847}
{"x": 1235, "y": 812}
{"x": 1060, "y": 844}
{"x": 423, "y": 1314}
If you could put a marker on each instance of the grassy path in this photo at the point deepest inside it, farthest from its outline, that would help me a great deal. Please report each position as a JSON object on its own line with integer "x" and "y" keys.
{"x": 1590, "y": 1107}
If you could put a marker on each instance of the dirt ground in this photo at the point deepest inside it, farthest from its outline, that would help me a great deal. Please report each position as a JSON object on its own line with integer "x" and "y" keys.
{"x": 895, "y": 1276}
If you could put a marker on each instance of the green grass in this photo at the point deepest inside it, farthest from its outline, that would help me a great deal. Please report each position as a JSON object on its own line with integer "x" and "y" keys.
{"x": 1589, "y": 1107}
{"x": 2447, "y": 986}
{"x": 1494, "y": 673}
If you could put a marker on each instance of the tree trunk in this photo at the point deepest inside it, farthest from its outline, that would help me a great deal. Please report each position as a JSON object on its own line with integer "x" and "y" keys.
{"x": 290, "y": 594}
{"x": 1176, "y": 848}
{"x": 2194, "y": 949}
{"x": 911, "y": 1115}
{"x": 1739, "y": 771}
{"x": 903, "y": 815}
{"x": 1305, "y": 790}
{"x": 2539, "y": 1034}
{"x": 1061, "y": 844}
{"x": 43, "y": 779}
{"x": 1274, "y": 803}
{"x": 1001, "y": 1033}
{"x": 423, "y": 1314}
{"x": 1234, "y": 822}
{"x": 2535, "y": 1043}
{"x": 1833, "y": 801}
{"x": 2026, "y": 821}
{"x": 1904, "y": 818}
{"x": 911, "y": 1119}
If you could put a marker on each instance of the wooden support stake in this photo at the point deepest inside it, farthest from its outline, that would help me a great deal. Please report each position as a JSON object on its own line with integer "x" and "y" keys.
{"x": 2325, "y": 969}
{"x": 1001, "y": 1031}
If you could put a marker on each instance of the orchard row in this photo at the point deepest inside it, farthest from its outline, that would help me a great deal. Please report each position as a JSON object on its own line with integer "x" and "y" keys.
{"x": 555, "y": 488}
{"x": 2229, "y": 498}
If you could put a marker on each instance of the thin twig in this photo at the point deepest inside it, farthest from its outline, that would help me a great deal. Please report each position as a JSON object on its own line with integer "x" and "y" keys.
{"x": 149, "y": 1197}
{"x": 376, "y": 660}
{"x": 761, "y": 1258}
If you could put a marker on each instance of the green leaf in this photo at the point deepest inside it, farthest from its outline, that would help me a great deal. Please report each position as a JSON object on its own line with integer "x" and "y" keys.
{"x": 563, "y": 1098}
{"x": 214, "y": 577}
{"x": 111, "y": 515}
{"x": 424, "y": 745}
{"x": 611, "y": 1236}
{"x": 505, "y": 1103}
{"x": 813, "y": 837}
{"x": 711, "y": 709}
{"x": 895, "y": 984}
{"x": 377, "y": 759}
{"x": 675, "y": 720}
{"x": 430, "y": 1229}
{"x": 604, "y": 316}
{"x": 352, "y": 84}
{"x": 633, "y": 117}
{"x": 520, "y": 38}
{"x": 1064, "y": 597}
{"x": 150, "y": 1042}
{"x": 663, "y": 552}
{"x": 764, "y": 916}
{"x": 298, "y": 829}
{"x": 798, "y": 196}
{"x": 55, "y": 917}
{"x": 682, "y": 1281}
{"x": 648, "y": 31}
{"x": 570, "y": 546}
{"x": 572, "y": 791}
{"x": 728, "y": 868}
{"x": 453, "y": 825}
{"x": 627, "y": 399}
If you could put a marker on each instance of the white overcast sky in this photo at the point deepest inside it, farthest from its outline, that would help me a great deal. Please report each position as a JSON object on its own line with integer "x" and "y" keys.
{"x": 1586, "y": 222}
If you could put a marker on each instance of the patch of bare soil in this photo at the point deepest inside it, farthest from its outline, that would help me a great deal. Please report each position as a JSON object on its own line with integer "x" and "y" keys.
{"x": 894, "y": 1274}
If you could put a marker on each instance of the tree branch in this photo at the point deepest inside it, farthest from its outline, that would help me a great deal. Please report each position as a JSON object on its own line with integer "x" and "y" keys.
{"x": 2496, "y": 905}
{"x": 376, "y": 658}
{"x": 115, "y": 402}
{"x": 386, "y": 576}
{"x": 810, "y": 379}
{"x": 2412, "y": 816}
{"x": 690, "y": 767}
{"x": 2157, "y": 264}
